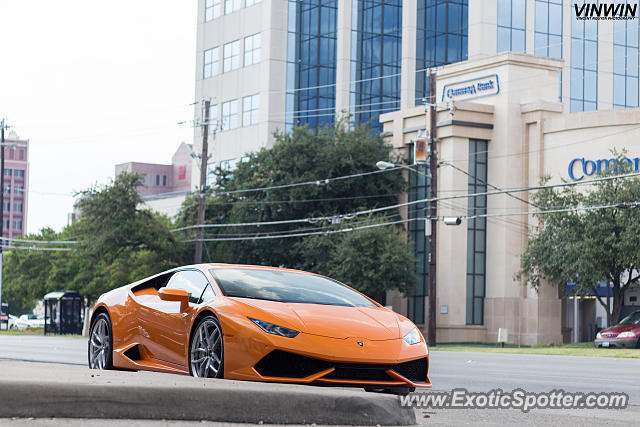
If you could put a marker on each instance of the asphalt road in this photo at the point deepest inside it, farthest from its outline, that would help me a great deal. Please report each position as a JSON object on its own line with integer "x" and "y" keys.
{"x": 449, "y": 370}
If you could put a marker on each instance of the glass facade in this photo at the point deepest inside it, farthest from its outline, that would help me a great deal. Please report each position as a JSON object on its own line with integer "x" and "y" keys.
{"x": 511, "y": 25}
{"x": 548, "y": 28}
{"x": 476, "y": 232}
{"x": 419, "y": 190}
{"x": 311, "y": 62}
{"x": 376, "y": 54}
{"x": 625, "y": 63}
{"x": 584, "y": 64}
{"x": 441, "y": 28}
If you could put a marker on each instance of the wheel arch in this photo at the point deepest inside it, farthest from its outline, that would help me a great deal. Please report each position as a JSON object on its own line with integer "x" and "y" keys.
{"x": 97, "y": 311}
{"x": 202, "y": 314}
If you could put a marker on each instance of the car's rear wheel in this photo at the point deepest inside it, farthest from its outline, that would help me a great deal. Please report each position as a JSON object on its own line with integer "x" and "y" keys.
{"x": 101, "y": 343}
{"x": 206, "y": 356}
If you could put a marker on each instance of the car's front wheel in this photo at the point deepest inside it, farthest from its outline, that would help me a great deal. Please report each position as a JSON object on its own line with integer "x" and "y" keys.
{"x": 206, "y": 355}
{"x": 101, "y": 343}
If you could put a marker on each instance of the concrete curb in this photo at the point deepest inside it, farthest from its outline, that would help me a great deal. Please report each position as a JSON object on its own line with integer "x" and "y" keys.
{"x": 41, "y": 390}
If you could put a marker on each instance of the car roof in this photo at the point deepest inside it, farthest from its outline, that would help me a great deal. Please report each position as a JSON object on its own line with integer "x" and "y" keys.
{"x": 254, "y": 267}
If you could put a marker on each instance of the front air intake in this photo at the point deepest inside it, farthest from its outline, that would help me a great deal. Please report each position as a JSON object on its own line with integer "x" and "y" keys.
{"x": 288, "y": 365}
{"x": 415, "y": 370}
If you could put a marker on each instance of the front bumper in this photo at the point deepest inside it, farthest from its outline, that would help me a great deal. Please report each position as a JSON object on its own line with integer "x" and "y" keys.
{"x": 617, "y": 342}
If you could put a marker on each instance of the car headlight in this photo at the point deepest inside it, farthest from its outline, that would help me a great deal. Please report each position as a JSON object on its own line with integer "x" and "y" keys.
{"x": 598, "y": 335}
{"x": 628, "y": 334}
{"x": 274, "y": 329}
{"x": 412, "y": 337}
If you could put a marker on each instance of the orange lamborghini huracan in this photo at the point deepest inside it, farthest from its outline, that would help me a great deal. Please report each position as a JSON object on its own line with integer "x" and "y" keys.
{"x": 259, "y": 324}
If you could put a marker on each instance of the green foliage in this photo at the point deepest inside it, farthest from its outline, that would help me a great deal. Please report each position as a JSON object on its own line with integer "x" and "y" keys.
{"x": 300, "y": 156}
{"x": 118, "y": 242}
{"x": 587, "y": 245}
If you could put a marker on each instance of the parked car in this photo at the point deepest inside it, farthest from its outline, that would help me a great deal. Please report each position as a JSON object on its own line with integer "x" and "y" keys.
{"x": 258, "y": 324}
{"x": 625, "y": 334}
{"x": 17, "y": 323}
{"x": 33, "y": 320}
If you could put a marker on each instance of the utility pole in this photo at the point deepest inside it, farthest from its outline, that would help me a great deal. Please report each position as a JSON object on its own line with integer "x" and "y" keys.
{"x": 203, "y": 182}
{"x": 433, "y": 211}
{"x": 2, "y": 127}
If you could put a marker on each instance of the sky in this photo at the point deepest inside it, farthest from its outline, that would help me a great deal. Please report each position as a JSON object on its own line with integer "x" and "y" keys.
{"x": 92, "y": 84}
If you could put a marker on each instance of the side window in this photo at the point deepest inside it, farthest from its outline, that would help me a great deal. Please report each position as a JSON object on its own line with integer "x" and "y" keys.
{"x": 192, "y": 281}
{"x": 207, "y": 294}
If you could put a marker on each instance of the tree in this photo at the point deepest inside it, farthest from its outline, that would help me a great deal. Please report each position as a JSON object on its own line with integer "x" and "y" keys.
{"x": 597, "y": 240}
{"x": 304, "y": 155}
{"x": 118, "y": 242}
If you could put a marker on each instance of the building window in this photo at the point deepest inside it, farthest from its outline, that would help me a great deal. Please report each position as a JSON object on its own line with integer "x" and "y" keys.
{"x": 376, "y": 59}
{"x": 211, "y": 63}
{"x": 250, "y": 110}
{"x": 164, "y": 180}
{"x": 212, "y": 9}
{"x": 476, "y": 232}
{"x": 17, "y": 207}
{"x": 19, "y": 190}
{"x": 419, "y": 190}
{"x": 6, "y": 223}
{"x": 7, "y": 172}
{"x": 252, "y": 50}
{"x": 157, "y": 180}
{"x": 441, "y": 38}
{"x": 231, "y": 58}
{"x": 311, "y": 63}
{"x": 625, "y": 63}
{"x": 213, "y": 118}
{"x": 252, "y": 2}
{"x": 230, "y": 115}
{"x": 548, "y": 28}
{"x": 6, "y": 206}
{"x": 17, "y": 224}
{"x": 584, "y": 65}
{"x": 20, "y": 154}
{"x": 511, "y": 25}
{"x": 19, "y": 173}
{"x": 231, "y": 6}
{"x": 7, "y": 189}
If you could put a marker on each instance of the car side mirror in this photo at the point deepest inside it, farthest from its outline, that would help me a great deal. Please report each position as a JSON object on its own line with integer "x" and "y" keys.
{"x": 179, "y": 295}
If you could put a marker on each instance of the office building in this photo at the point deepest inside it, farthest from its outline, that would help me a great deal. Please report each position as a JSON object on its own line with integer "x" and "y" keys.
{"x": 164, "y": 186}
{"x": 525, "y": 87}
{"x": 16, "y": 186}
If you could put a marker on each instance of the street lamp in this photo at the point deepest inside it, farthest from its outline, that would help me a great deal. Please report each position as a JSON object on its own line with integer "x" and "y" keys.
{"x": 382, "y": 165}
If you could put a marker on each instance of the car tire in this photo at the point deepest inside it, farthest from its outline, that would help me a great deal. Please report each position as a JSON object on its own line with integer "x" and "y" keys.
{"x": 100, "y": 348}
{"x": 206, "y": 349}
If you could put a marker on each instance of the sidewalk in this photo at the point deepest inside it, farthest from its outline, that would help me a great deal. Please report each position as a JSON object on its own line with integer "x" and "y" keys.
{"x": 45, "y": 390}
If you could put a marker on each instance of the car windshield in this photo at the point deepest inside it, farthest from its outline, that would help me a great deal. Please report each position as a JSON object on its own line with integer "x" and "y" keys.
{"x": 286, "y": 286}
{"x": 632, "y": 319}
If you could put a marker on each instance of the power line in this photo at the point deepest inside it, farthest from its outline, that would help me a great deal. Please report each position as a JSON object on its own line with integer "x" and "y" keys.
{"x": 427, "y": 200}
{"x": 344, "y": 230}
{"x": 318, "y": 182}
{"x": 34, "y": 248}
{"x": 626, "y": 205}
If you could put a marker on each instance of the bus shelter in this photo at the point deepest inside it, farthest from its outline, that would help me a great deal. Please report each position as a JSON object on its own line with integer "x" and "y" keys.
{"x": 63, "y": 313}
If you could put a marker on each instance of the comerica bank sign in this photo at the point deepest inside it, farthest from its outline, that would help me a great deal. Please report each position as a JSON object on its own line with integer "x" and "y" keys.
{"x": 470, "y": 89}
{"x": 581, "y": 167}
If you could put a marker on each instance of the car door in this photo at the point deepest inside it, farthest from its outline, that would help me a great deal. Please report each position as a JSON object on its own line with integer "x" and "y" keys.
{"x": 168, "y": 327}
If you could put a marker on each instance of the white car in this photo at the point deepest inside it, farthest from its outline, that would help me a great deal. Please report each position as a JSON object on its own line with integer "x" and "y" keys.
{"x": 33, "y": 320}
{"x": 17, "y": 323}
